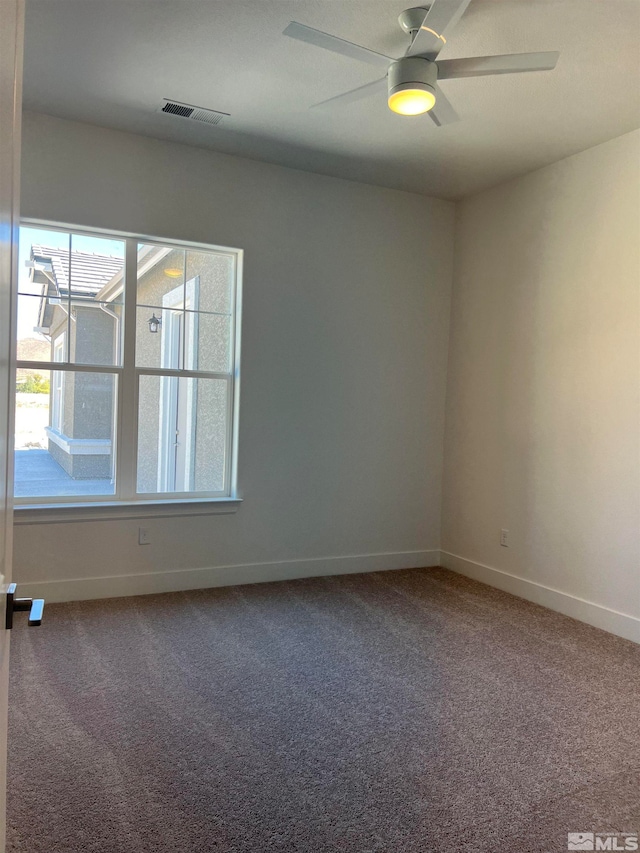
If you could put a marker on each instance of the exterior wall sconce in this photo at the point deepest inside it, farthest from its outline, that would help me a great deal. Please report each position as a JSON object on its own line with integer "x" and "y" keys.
{"x": 154, "y": 324}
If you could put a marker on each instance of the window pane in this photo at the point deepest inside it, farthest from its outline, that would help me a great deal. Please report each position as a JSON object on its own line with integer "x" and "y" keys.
{"x": 43, "y": 257}
{"x": 64, "y": 438}
{"x": 92, "y": 337}
{"x": 160, "y": 276}
{"x": 33, "y": 344}
{"x": 96, "y": 269}
{"x": 158, "y": 344}
{"x": 32, "y": 407}
{"x": 76, "y": 285}
{"x": 177, "y": 339}
{"x": 208, "y": 345}
{"x": 96, "y": 332}
{"x": 215, "y": 274}
{"x": 182, "y": 434}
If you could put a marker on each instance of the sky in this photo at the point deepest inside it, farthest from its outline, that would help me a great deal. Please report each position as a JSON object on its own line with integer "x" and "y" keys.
{"x": 28, "y": 307}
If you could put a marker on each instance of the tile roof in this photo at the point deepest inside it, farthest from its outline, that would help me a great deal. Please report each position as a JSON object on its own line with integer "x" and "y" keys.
{"x": 88, "y": 272}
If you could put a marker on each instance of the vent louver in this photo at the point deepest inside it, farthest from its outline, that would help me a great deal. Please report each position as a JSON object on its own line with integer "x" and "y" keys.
{"x": 192, "y": 112}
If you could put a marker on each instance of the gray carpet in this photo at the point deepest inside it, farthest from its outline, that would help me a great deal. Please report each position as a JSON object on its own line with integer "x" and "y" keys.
{"x": 405, "y": 712}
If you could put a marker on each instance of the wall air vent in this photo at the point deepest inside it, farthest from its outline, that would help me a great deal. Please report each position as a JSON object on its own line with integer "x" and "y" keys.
{"x": 192, "y": 112}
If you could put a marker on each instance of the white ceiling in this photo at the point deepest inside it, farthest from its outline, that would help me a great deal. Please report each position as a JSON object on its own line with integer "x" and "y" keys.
{"x": 110, "y": 62}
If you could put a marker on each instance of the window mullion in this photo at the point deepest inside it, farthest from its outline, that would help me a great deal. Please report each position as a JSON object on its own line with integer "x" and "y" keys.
{"x": 127, "y": 440}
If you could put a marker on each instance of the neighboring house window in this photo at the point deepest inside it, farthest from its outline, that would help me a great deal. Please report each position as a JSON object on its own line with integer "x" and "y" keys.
{"x": 142, "y": 401}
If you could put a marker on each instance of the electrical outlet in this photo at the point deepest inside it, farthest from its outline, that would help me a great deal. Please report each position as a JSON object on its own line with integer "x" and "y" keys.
{"x": 504, "y": 538}
{"x": 144, "y": 537}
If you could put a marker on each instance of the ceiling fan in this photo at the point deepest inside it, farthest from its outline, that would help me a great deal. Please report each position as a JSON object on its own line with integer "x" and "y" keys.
{"x": 412, "y": 80}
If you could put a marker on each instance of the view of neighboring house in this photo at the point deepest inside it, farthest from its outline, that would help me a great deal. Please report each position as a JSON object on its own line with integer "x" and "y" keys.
{"x": 184, "y": 299}
{"x": 84, "y": 329}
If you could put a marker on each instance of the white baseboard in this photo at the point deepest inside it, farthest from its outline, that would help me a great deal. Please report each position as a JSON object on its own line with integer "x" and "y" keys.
{"x": 621, "y": 624}
{"x": 79, "y": 589}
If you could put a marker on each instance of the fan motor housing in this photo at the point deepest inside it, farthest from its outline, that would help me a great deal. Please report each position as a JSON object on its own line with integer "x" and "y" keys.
{"x": 412, "y": 19}
{"x": 412, "y": 72}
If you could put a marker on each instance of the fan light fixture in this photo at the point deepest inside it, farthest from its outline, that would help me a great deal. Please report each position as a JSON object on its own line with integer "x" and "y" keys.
{"x": 412, "y": 85}
{"x": 412, "y": 101}
{"x": 173, "y": 272}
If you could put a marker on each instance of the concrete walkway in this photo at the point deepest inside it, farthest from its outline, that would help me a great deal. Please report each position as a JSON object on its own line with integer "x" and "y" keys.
{"x": 37, "y": 474}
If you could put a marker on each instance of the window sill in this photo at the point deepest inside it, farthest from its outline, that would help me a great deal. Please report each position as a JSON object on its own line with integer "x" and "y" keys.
{"x": 112, "y": 510}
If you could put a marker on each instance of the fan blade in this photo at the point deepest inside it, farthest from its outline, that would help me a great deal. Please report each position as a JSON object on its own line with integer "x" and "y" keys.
{"x": 440, "y": 19}
{"x": 442, "y": 112}
{"x": 511, "y": 63}
{"x": 337, "y": 45}
{"x": 355, "y": 94}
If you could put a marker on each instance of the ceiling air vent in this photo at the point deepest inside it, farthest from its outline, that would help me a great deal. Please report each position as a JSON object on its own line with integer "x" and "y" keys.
{"x": 191, "y": 112}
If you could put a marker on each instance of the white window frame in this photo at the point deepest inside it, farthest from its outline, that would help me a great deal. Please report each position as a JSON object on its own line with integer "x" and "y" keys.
{"x": 127, "y": 502}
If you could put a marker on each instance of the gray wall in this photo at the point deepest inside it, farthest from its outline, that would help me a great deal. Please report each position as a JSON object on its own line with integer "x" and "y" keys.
{"x": 345, "y": 326}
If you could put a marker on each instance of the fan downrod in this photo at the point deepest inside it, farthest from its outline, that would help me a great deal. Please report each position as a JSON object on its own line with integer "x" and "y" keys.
{"x": 411, "y": 19}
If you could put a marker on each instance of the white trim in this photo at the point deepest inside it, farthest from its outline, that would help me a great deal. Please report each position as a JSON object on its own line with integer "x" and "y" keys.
{"x": 79, "y": 446}
{"x": 113, "y": 510}
{"x": 184, "y": 579}
{"x": 158, "y": 240}
{"x": 621, "y": 624}
{"x": 69, "y": 367}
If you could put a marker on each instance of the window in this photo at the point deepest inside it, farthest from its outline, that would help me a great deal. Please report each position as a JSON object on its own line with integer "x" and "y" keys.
{"x": 127, "y": 368}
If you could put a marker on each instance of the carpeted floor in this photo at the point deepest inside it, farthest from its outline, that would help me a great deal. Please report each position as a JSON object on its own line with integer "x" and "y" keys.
{"x": 404, "y": 712}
